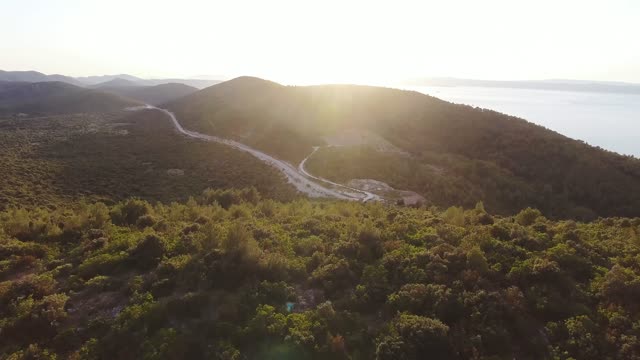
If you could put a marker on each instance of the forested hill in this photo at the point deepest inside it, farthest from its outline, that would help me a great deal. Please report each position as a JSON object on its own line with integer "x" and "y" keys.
{"x": 458, "y": 154}
{"x": 57, "y": 98}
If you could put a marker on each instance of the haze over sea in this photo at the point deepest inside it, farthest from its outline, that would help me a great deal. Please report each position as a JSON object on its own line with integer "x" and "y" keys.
{"x": 608, "y": 120}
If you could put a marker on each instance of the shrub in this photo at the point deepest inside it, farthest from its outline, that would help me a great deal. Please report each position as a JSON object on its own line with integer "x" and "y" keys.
{"x": 239, "y": 241}
{"x": 129, "y": 212}
{"x": 174, "y": 265}
{"x": 454, "y": 216}
{"x": 414, "y": 337}
{"x": 36, "y": 286}
{"x": 104, "y": 264}
{"x": 99, "y": 283}
{"x": 32, "y": 352}
{"x": 163, "y": 287}
{"x": 25, "y": 225}
{"x": 62, "y": 270}
{"x": 20, "y": 248}
{"x": 148, "y": 252}
{"x": 146, "y": 221}
{"x": 228, "y": 197}
{"x": 528, "y": 216}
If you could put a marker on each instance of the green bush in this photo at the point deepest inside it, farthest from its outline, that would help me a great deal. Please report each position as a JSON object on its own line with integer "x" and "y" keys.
{"x": 100, "y": 283}
{"x": 129, "y": 212}
{"x": 414, "y": 337}
{"x": 528, "y": 216}
{"x": 148, "y": 252}
{"x": 103, "y": 264}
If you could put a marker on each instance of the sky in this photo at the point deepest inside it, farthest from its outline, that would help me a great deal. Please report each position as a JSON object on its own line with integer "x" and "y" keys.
{"x": 324, "y": 41}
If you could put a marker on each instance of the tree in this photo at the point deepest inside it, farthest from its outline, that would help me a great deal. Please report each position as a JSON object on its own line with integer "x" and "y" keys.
{"x": 267, "y": 323}
{"x": 414, "y": 337}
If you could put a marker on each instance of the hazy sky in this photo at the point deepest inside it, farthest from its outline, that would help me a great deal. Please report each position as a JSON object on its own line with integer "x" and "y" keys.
{"x": 325, "y": 41}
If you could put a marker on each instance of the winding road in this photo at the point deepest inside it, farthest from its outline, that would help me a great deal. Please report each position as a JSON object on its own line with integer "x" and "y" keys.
{"x": 298, "y": 177}
{"x": 368, "y": 195}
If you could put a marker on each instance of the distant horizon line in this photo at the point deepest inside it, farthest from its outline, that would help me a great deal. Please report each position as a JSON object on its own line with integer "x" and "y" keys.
{"x": 414, "y": 79}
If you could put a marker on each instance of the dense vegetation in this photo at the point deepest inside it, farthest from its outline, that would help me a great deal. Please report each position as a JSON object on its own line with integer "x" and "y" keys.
{"x": 57, "y": 160}
{"x": 483, "y": 155}
{"x": 449, "y": 179}
{"x": 230, "y": 276}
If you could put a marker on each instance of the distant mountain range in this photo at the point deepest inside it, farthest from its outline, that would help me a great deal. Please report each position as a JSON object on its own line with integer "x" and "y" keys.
{"x": 32, "y": 92}
{"x": 103, "y": 80}
{"x": 117, "y": 82}
{"x": 55, "y": 97}
{"x": 204, "y": 81}
{"x": 34, "y": 76}
{"x": 553, "y": 84}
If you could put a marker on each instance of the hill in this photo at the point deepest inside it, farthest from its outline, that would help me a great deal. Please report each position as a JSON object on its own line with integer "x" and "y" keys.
{"x": 196, "y": 83}
{"x": 102, "y": 81}
{"x": 34, "y": 76}
{"x": 134, "y": 80}
{"x": 154, "y": 95}
{"x": 57, "y": 98}
{"x": 117, "y": 82}
{"x": 99, "y": 79}
{"x": 451, "y": 154}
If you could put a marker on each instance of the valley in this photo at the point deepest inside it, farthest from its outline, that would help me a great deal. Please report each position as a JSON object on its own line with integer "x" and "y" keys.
{"x": 294, "y": 177}
{"x": 57, "y": 160}
{"x": 298, "y": 177}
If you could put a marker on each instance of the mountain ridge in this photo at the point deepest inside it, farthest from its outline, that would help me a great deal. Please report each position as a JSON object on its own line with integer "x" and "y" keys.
{"x": 54, "y": 97}
{"x": 34, "y": 76}
{"x": 117, "y": 82}
{"x": 91, "y": 81}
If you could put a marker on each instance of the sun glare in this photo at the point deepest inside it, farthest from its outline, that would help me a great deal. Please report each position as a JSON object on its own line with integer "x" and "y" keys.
{"x": 327, "y": 42}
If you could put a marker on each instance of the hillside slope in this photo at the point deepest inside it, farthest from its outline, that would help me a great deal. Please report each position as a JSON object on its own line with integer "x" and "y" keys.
{"x": 57, "y": 160}
{"x": 57, "y": 98}
{"x": 458, "y": 154}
